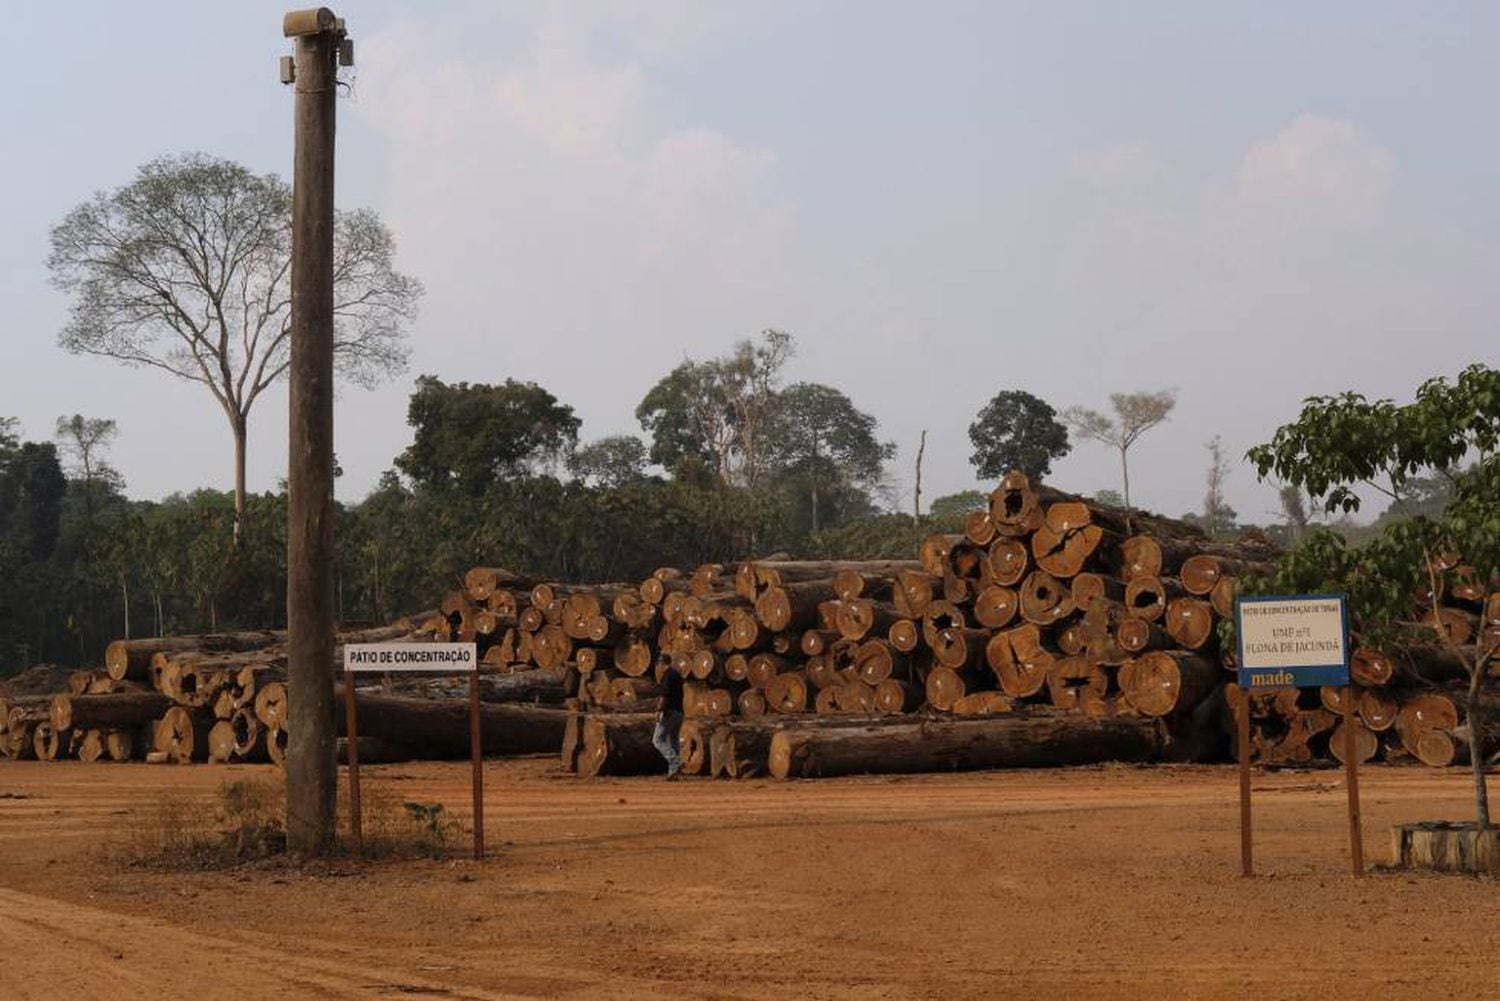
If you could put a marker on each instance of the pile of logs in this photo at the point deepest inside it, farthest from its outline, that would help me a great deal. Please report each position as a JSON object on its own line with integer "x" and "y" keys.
{"x": 1408, "y": 704}
{"x": 1048, "y": 613}
{"x": 224, "y": 698}
{"x": 1052, "y": 630}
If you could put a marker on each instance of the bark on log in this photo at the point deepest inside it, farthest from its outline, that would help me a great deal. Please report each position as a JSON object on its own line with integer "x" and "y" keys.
{"x": 538, "y": 685}
{"x": 619, "y": 744}
{"x": 122, "y": 711}
{"x": 440, "y": 727}
{"x": 1034, "y": 739}
{"x": 132, "y": 658}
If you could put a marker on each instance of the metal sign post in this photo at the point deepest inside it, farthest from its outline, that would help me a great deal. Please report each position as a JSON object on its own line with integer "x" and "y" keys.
{"x": 432, "y": 658}
{"x": 1300, "y": 641}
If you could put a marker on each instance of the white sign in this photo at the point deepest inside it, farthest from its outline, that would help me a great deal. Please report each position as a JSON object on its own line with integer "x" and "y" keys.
{"x": 443, "y": 658}
{"x": 1297, "y": 640}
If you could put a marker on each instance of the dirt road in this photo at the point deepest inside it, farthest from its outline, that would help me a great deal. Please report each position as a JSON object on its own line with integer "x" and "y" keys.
{"x": 1089, "y": 883}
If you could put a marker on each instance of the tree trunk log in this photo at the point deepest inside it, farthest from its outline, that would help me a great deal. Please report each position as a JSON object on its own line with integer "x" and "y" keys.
{"x": 439, "y": 728}
{"x": 619, "y": 744}
{"x": 1033, "y": 739}
{"x": 122, "y": 711}
{"x": 1164, "y": 682}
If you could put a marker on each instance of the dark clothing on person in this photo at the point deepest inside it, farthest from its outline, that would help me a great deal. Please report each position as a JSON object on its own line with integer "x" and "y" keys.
{"x": 671, "y": 691}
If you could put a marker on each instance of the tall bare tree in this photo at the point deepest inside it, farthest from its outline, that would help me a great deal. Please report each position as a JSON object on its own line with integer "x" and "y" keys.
{"x": 1218, "y": 516}
{"x": 187, "y": 270}
{"x": 1135, "y": 414}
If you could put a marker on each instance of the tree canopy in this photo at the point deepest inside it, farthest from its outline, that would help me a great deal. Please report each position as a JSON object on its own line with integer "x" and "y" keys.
{"x": 1135, "y": 414}
{"x": 716, "y": 412}
{"x": 821, "y": 442}
{"x": 612, "y": 461}
{"x": 1342, "y": 444}
{"x": 1016, "y": 430}
{"x": 187, "y": 270}
{"x": 469, "y": 436}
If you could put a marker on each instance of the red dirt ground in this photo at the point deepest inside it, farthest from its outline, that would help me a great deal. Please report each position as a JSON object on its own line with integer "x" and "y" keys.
{"x": 1087, "y": 883}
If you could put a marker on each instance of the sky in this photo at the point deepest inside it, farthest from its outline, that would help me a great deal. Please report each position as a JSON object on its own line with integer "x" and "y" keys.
{"x": 1247, "y": 203}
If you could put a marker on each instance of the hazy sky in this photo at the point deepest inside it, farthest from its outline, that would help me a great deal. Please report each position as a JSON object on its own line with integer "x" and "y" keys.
{"x": 1248, "y": 202}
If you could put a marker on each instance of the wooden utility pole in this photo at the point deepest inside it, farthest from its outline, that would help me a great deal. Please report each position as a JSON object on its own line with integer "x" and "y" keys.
{"x": 311, "y": 769}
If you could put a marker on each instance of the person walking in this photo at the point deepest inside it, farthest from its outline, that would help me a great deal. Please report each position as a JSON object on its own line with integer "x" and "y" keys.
{"x": 669, "y": 721}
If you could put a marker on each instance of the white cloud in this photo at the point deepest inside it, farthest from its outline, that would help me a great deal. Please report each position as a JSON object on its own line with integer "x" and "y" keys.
{"x": 567, "y": 230}
{"x": 1129, "y": 163}
{"x": 1317, "y": 164}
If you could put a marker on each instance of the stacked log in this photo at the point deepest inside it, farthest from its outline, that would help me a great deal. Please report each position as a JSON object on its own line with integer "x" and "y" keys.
{"x": 1408, "y": 701}
{"x": 224, "y": 698}
{"x": 1051, "y": 630}
{"x": 1045, "y": 602}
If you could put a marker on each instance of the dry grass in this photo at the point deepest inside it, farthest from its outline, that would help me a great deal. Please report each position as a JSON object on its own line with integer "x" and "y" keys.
{"x": 243, "y": 823}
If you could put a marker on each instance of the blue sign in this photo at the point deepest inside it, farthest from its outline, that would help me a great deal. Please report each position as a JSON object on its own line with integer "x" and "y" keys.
{"x": 1299, "y": 640}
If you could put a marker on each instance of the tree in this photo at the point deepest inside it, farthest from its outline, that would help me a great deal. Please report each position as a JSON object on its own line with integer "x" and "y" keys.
{"x": 610, "y": 462}
{"x": 715, "y": 412}
{"x": 187, "y": 270}
{"x": 1016, "y": 430}
{"x": 822, "y": 440}
{"x": 1341, "y": 443}
{"x": 84, "y": 440}
{"x": 1294, "y": 511}
{"x": 1218, "y": 516}
{"x": 32, "y": 486}
{"x": 469, "y": 436}
{"x": 1109, "y": 497}
{"x": 959, "y": 504}
{"x": 1135, "y": 414}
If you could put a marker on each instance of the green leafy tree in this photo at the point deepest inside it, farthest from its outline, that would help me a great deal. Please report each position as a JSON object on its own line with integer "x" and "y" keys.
{"x": 960, "y": 504}
{"x": 187, "y": 270}
{"x": 469, "y": 436}
{"x": 821, "y": 443}
{"x": 1016, "y": 430}
{"x": 1135, "y": 414}
{"x": 1112, "y": 498}
{"x": 716, "y": 413}
{"x": 610, "y": 462}
{"x": 1341, "y": 444}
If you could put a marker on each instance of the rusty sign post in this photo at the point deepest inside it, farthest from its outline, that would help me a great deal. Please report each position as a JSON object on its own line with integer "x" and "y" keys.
{"x": 1295, "y": 641}
{"x": 433, "y": 658}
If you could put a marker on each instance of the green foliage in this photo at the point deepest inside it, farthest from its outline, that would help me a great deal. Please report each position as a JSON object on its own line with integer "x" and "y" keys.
{"x": 470, "y": 436}
{"x": 825, "y": 451}
{"x": 1112, "y": 498}
{"x": 878, "y": 537}
{"x": 957, "y": 505}
{"x": 431, "y": 826}
{"x": 1016, "y": 430}
{"x": 609, "y": 462}
{"x": 1340, "y": 443}
{"x": 716, "y": 413}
